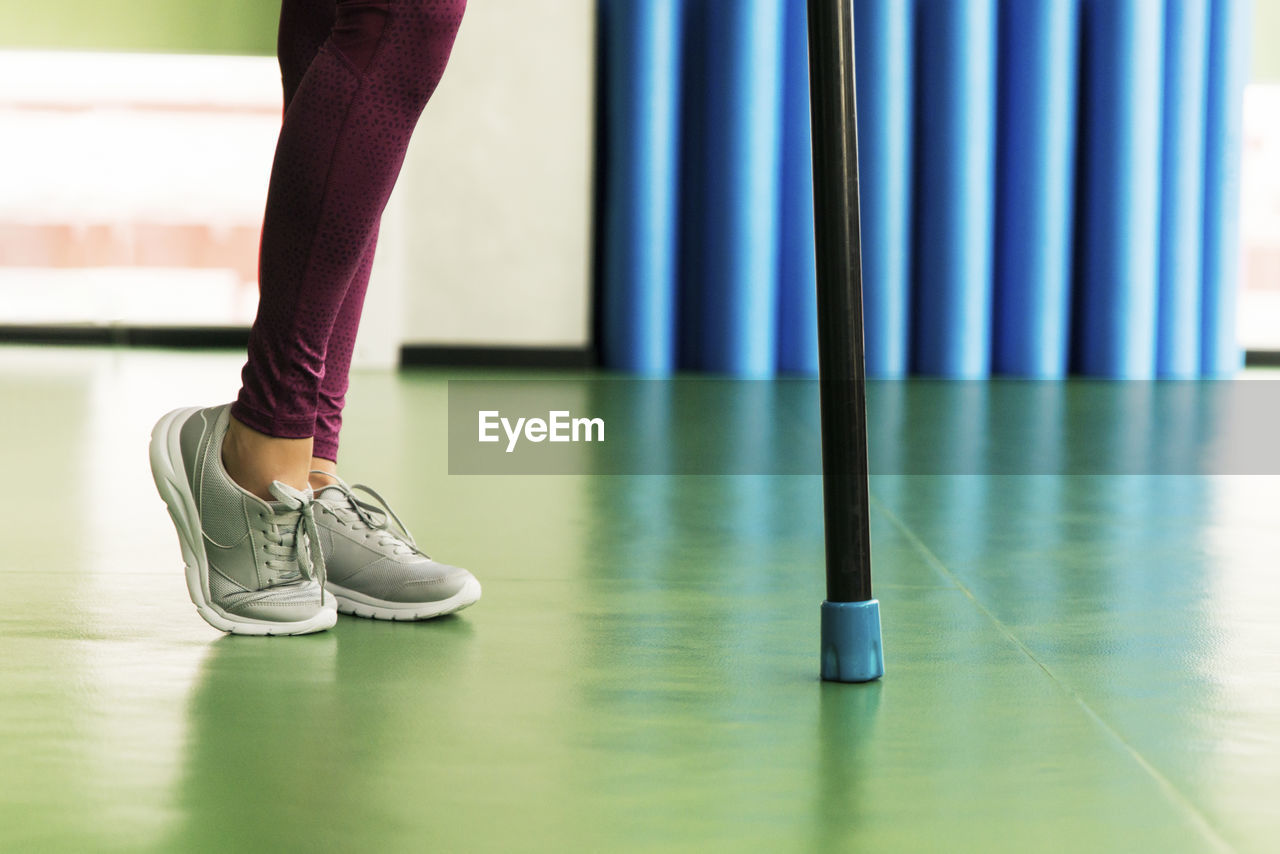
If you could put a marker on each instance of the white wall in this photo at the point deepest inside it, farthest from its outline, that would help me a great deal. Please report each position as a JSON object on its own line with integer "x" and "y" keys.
{"x": 487, "y": 238}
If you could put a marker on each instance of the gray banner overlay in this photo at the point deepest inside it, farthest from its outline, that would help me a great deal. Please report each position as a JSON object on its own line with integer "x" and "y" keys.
{"x": 722, "y": 427}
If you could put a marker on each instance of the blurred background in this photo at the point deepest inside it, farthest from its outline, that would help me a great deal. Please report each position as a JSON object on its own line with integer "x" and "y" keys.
{"x": 1050, "y": 187}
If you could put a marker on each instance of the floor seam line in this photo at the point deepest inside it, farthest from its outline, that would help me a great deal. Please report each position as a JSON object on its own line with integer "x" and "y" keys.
{"x": 1170, "y": 790}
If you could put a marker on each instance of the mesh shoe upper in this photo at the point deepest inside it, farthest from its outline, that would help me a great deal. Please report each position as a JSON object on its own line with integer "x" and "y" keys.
{"x": 365, "y": 554}
{"x": 261, "y": 555}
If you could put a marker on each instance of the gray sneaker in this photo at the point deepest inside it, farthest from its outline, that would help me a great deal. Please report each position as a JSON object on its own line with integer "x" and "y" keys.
{"x": 252, "y": 568}
{"x": 375, "y": 571}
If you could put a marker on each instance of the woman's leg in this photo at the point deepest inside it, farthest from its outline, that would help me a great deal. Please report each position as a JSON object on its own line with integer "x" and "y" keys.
{"x": 304, "y": 27}
{"x": 341, "y": 147}
{"x": 337, "y": 368}
{"x": 255, "y": 459}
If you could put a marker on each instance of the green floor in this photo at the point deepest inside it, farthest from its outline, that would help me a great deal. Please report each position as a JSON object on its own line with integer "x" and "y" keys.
{"x": 1074, "y": 663}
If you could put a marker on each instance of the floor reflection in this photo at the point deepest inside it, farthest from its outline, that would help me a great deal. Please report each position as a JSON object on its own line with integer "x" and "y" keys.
{"x": 847, "y": 730}
{"x": 259, "y": 767}
{"x": 1088, "y": 658}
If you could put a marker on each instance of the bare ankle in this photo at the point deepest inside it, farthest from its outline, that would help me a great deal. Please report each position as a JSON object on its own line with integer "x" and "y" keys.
{"x": 253, "y": 460}
{"x": 323, "y": 473}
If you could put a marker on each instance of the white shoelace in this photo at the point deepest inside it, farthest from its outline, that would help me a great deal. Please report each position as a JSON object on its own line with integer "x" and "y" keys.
{"x": 375, "y": 517}
{"x": 294, "y": 538}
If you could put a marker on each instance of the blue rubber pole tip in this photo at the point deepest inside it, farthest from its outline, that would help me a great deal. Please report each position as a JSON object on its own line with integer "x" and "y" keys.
{"x": 851, "y": 648}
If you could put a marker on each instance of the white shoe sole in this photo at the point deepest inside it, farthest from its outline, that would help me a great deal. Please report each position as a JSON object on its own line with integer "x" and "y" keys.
{"x": 171, "y": 481}
{"x": 360, "y": 605}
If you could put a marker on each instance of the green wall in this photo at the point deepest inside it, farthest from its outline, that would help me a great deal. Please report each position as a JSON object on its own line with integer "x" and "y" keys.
{"x": 1266, "y": 41}
{"x": 166, "y": 26}
{"x": 249, "y": 27}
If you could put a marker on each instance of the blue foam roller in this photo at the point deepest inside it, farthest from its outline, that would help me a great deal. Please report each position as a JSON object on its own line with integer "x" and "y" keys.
{"x": 851, "y": 647}
{"x": 883, "y": 56}
{"x": 1186, "y": 49}
{"x": 1228, "y": 71}
{"x": 642, "y": 83}
{"x": 1116, "y": 319}
{"x": 797, "y": 270}
{"x": 955, "y": 188}
{"x": 740, "y": 151}
{"x": 1035, "y": 186}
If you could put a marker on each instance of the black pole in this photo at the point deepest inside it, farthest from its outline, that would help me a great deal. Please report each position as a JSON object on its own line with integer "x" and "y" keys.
{"x": 850, "y": 651}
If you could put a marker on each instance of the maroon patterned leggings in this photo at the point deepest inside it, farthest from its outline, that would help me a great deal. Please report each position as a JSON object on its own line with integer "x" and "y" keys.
{"x": 357, "y": 74}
